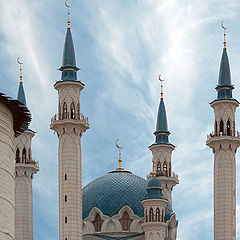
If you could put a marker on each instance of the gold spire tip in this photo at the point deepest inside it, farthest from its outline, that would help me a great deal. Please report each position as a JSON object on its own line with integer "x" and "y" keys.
{"x": 154, "y": 168}
{"x": 161, "y": 80}
{"x": 120, "y": 157}
{"x": 224, "y": 41}
{"x": 20, "y": 63}
{"x": 68, "y": 22}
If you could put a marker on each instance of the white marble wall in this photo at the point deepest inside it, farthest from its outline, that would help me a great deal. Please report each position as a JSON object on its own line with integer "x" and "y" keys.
{"x": 7, "y": 175}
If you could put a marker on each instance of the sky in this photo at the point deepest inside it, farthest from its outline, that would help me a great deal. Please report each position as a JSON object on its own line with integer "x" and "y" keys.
{"x": 121, "y": 47}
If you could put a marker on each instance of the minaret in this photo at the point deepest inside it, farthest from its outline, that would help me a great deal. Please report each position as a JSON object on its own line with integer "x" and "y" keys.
{"x": 162, "y": 151}
{"x": 25, "y": 167}
{"x": 154, "y": 204}
{"x": 224, "y": 142}
{"x": 69, "y": 124}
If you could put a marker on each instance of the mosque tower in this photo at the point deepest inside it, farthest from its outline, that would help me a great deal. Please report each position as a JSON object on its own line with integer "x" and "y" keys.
{"x": 224, "y": 142}
{"x": 162, "y": 151}
{"x": 69, "y": 124}
{"x": 25, "y": 168}
{"x": 154, "y": 204}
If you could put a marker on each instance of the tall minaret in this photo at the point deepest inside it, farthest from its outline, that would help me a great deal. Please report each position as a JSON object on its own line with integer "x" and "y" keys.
{"x": 162, "y": 151}
{"x": 224, "y": 142}
{"x": 26, "y": 167}
{"x": 69, "y": 124}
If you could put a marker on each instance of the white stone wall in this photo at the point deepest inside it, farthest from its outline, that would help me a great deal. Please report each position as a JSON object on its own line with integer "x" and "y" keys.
{"x": 69, "y": 161}
{"x": 224, "y": 148}
{"x": 7, "y": 175}
{"x": 163, "y": 153}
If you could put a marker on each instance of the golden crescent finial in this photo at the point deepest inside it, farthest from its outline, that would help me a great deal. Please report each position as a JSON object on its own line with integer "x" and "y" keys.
{"x": 119, "y": 159}
{"x": 224, "y": 42}
{"x": 68, "y": 22}
{"x": 20, "y": 63}
{"x": 161, "y": 80}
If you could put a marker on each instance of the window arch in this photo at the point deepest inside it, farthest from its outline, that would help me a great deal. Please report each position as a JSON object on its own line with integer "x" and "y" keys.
{"x": 158, "y": 217}
{"x": 165, "y": 168}
{"x": 64, "y": 114}
{"x": 146, "y": 216}
{"x": 221, "y": 127}
{"x": 72, "y": 109}
{"x": 125, "y": 222}
{"x": 97, "y": 223}
{"x": 162, "y": 215}
{"x": 24, "y": 156}
{"x": 215, "y": 126}
{"x": 78, "y": 111}
{"x": 228, "y": 128}
{"x": 158, "y": 169}
{"x": 151, "y": 215}
{"x": 17, "y": 156}
{"x": 170, "y": 169}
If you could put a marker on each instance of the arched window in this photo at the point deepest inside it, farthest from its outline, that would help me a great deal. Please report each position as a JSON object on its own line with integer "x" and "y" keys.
{"x": 165, "y": 168}
{"x": 170, "y": 169}
{"x": 29, "y": 154}
{"x": 151, "y": 216}
{"x": 64, "y": 114}
{"x": 78, "y": 111}
{"x": 158, "y": 219}
{"x": 162, "y": 215}
{"x": 17, "y": 156}
{"x": 24, "y": 156}
{"x": 158, "y": 169}
{"x": 146, "y": 216}
{"x": 97, "y": 223}
{"x": 228, "y": 128}
{"x": 125, "y": 222}
{"x": 215, "y": 128}
{"x": 221, "y": 128}
{"x": 72, "y": 107}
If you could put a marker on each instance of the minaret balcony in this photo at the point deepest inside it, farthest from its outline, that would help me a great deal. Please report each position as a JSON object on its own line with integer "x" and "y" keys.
{"x": 70, "y": 117}
{"x": 235, "y": 134}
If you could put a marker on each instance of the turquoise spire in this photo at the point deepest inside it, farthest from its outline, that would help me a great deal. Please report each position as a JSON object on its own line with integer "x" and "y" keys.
{"x": 161, "y": 132}
{"x": 21, "y": 95}
{"x": 224, "y": 86}
{"x": 68, "y": 68}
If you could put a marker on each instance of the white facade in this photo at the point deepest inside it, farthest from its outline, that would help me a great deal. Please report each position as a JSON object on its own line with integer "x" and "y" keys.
{"x": 224, "y": 142}
{"x": 69, "y": 125}
{"x": 7, "y": 175}
{"x": 26, "y": 167}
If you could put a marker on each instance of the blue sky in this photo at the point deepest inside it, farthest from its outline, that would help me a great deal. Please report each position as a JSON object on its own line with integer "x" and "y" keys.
{"x": 122, "y": 46}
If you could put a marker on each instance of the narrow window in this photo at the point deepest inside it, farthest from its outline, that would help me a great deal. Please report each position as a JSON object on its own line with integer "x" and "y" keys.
{"x": 17, "y": 156}
{"x": 158, "y": 215}
{"x": 65, "y": 198}
{"x": 125, "y": 222}
{"x": 65, "y": 219}
{"x": 221, "y": 128}
{"x": 215, "y": 128}
{"x": 158, "y": 169}
{"x": 24, "y": 156}
{"x": 146, "y": 216}
{"x": 65, "y": 238}
{"x": 78, "y": 111}
{"x": 29, "y": 154}
{"x": 64, "y": 114}
{"x": 151, "y": 216}
{"x": 72, "y": 107}
{"x": 165, "y": 168}
{"x": 162, "y": 216}
{"x": 65, "y": 177}
{"x": 97, "y": 223}
{"x": 170, "y": 169}
{"x": 228, "y": 128}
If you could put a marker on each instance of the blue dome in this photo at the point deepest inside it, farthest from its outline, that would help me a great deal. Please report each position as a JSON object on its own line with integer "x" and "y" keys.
{"x": 154, "y": 182}
{"x": 113, "y": 191}
{"x": 154, "y": 190}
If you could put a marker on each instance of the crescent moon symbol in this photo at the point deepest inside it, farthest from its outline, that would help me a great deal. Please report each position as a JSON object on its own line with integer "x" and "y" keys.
{"x": 222, "y": 25}
{"x": 117, "y": 144}
{"x": 66, "y": 4}
{"x": 19, "y": 61}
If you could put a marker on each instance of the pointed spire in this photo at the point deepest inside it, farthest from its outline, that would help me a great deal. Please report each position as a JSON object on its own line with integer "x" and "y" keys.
{"x": 68, "y": 68}
{"x": 21, "y": 95}
{"x": 162, "y": 126}
{"x": 224, "y": 86}
{"x": 120, "y": 157}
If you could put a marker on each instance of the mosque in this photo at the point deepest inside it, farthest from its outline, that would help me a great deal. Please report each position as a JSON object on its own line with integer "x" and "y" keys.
{"x": 118, "y": 205}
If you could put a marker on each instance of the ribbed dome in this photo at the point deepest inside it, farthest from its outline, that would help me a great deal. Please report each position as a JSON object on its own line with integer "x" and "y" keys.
{"x": 113, "y": 191}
